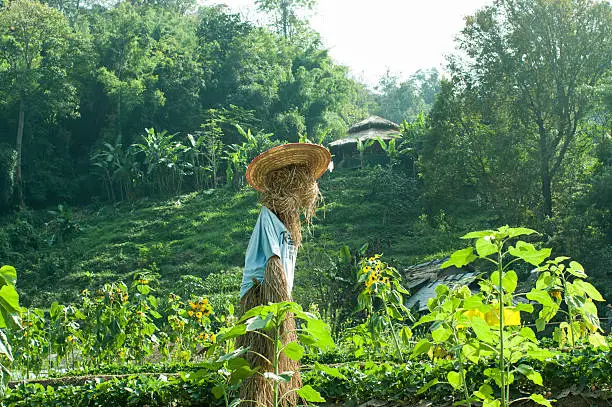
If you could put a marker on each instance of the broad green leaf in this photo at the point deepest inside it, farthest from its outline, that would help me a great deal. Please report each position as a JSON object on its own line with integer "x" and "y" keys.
{"x": 293, "y": 350}
{"x": 589, "y": 289}
{"x": 421, "y": 347}
{"x": 482, "y": 330}
{"x": 473, "y": 302}
{"x": 427, "y": 386}
{"x": 320, "y": 331}
{"x": 5, "y": 347}
{"x": 484, "y": 247}
{"x": 529, "y": 253}
{"x": 491, "y": 403}
{"x": 441, "y": 334}
{"x": 478, "y": 234}
{"x": 576, "y": 269}
{"x": 514, "y": 232}
{"x": 9, "y": 299}
{"x": 441, "y": 290}
{"x": 231, "y": 355}
{"x": 257, "y": 322}
{"x": 528, "y": 333}
{"x": 598, "y": 341}
{"x": 538, "y": 398}
{"x": 311, "y": 395}
{"x": 237, "y": 363}
{"x": 540, "y": 354}
{"x": 540, "y": 324}
{"x": 524, "y": 307}
{"x": 331, "y": 371}
{"x": 485, "y": 392}
{"x": 509, "y": 281}
{"x": 8, "y": 275}
{"x": 307, "y": 340}
{"x": 460, "y": 258}
{"x": 540, "y": 296}
{"x": 530, "y": 373}
{"x": 234, "y": 332}
{"x": 406, "y": 334}
{"x": 454, "y": 378}
{"x": 218, "y": 391}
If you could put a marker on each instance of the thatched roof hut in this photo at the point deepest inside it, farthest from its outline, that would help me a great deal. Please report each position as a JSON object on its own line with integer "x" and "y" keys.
{"x": 345, "y": 150}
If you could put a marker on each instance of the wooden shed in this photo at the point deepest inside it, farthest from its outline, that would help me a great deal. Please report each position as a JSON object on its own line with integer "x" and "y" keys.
{"x": 345, "y": 151}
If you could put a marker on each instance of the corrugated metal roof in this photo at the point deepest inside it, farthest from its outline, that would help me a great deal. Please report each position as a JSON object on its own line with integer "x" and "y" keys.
{"x": 420, "y": 297}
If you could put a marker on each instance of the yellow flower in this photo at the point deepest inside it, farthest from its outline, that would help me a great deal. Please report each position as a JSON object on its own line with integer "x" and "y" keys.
{"x": 190, "y": 312}
{"x": 198, "y": 315}
{"x": 205, "y": 301}
{"x": 192, "y": 304}
{"x": 213, "y": 338}
{"x": 207, "y": 312}
{"x": 556, "y": 294}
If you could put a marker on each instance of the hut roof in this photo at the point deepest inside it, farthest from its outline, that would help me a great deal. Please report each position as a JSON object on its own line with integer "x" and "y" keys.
{"x": 422, "y": 280}
{"x": 370, "y": 129}
{"x": 374, "y": 122}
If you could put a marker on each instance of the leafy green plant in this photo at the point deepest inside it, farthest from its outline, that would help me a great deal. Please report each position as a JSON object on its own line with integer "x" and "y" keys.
{"x": 9, "y": 319}
{"x": 267, "y": 320}
{"x": 382, "y": 299}
{"x": 164, "y": 162}
{"x": 491, "y": 316}
{"x": 559, "y": 283}
{"x": 118, "y": 167}
{"x": 62, "y": 226}
{"x": 361, "y": 148}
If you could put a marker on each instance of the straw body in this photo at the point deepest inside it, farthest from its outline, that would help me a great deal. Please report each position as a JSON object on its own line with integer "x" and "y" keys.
{"x": 256, "y": 388}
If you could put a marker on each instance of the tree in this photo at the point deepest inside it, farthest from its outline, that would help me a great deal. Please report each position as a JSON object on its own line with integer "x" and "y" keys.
{"x": 544, "y": 59}
{"x": 34, "y": 66}
{"x": 399, "y": 101}
{"x": 286, "y": 13}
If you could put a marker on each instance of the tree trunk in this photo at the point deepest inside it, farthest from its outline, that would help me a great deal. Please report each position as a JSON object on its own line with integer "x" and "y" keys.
{"x": 19, "y": 144}
{"x": 546, "y": 177}
{"x": 284, "y": 18}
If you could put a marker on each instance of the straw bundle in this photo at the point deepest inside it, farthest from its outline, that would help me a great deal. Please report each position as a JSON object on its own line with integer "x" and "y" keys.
{"x": 289, "y": 191}
{"x": 256, "y": 388}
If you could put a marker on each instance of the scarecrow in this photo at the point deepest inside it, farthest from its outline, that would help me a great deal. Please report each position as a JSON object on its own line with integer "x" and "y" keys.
{"x": 286, "y": 176}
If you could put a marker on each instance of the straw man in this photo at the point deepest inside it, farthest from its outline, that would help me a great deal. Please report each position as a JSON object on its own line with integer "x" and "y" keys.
{"x": 286, "y": 177}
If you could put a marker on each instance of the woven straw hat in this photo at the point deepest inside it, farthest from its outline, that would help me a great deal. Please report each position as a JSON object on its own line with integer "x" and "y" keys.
{"x": 312, "y": 156}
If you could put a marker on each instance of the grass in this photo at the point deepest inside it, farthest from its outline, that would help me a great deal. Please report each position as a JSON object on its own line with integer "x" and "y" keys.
{"x": 205, "y": 234}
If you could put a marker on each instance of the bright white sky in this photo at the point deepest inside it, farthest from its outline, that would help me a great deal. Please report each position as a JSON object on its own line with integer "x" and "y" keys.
{"x": 371, "y": 36}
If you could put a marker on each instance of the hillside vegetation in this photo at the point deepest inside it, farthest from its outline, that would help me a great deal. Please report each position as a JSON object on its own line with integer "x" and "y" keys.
{"x": 201, "y": 237}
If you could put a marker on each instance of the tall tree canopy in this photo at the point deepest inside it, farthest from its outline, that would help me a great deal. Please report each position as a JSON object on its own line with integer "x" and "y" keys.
{"x": 540, "y": 60}
{"x": 35, "y": 64}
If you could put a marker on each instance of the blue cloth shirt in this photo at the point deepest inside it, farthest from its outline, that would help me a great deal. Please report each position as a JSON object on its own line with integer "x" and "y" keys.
{"x": 270, "y": 237}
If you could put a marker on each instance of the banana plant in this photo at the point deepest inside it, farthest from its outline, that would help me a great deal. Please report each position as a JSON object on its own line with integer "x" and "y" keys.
{"x": 362, "y": 147}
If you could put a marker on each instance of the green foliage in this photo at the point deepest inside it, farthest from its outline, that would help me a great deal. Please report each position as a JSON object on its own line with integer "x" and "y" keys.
{"x": 9, "y": 320}
{"x": 8, "y": 163}
{"x": 382, "y": 299}
{"x": 491, "y": 315}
